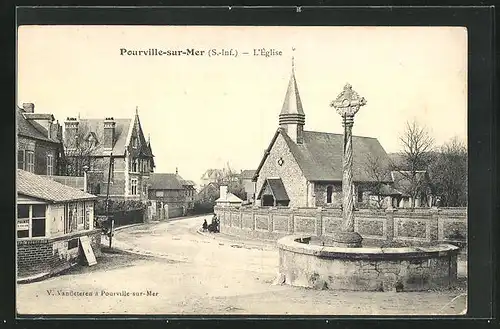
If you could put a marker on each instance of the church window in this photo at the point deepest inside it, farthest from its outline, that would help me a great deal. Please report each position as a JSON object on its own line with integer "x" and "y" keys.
{"x": 329, "y": 193}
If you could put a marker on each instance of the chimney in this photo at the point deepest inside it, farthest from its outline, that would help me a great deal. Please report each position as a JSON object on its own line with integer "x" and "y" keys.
{"x": 29, "y": 107}
{"x": 223, "y": 192}
{"x": 70, "y": 132}
{"x": 109, "y": 133}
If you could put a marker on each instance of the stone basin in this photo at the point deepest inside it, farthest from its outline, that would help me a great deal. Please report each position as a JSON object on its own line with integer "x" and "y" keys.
{"x": 365, "y": 268}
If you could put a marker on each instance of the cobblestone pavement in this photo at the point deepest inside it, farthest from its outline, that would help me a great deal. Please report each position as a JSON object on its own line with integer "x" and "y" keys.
{"x": 175, "y": 270}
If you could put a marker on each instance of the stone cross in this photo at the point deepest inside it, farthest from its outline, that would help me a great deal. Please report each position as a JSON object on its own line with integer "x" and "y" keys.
{"x": 347, "y": 104}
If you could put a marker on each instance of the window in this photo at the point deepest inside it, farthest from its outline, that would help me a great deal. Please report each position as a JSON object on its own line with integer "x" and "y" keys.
{"x": 360, "y": 195}
{"x": 30, "y": 161}
{"x": 134, "y": 187}
{"x": 134, "y": 142}
{"x": 134, "y": 165}
{"x": 159, "y": 194}
{"x": 329, "y": 193}
{"x": 144, "y": 191}
{"x": 81, "y": 214}
{"x": 20, "y": 159}
{"x": 30, "y": 220}
{"x": 50, "y": 164}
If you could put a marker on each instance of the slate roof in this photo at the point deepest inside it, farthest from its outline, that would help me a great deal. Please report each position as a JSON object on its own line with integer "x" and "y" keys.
{"x": 277, "y": 189}
{"x": 292, "y": 103}
{"x": 161, "y": 181}
{"x": 247, "y": 174}
{"x": 46, "y": 189}
{"x": 32, "y": 129}
{"x": 96, "y": 126}
{"x": 320, "y": 155}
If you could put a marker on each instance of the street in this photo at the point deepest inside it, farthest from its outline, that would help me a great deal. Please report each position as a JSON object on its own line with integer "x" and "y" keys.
{"x": 171, "y": 269}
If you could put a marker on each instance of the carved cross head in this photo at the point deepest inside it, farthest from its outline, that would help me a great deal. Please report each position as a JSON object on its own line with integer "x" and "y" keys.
{"x": 348, "y": 102}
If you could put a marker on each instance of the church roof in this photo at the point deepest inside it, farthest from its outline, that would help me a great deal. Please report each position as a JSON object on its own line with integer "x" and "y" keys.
{"x": 292, "y": 103}
{"x": 319, "y": 156}
{"x": 277, "y": 188}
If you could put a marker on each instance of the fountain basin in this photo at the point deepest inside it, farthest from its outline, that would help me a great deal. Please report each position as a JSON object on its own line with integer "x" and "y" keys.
{"x": 365, "y": 268}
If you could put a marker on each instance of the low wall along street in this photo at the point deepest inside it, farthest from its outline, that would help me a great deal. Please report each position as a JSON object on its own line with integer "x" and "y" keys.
{"x": 418, "y": 226}
{"x": 53, "y": 255}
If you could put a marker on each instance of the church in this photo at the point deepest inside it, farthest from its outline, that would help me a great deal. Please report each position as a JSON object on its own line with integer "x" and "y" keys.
{"x": 303, "y": 168}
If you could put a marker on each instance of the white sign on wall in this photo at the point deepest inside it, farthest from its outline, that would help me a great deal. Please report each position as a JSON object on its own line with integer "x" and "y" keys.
{"x": 23, "y": 225}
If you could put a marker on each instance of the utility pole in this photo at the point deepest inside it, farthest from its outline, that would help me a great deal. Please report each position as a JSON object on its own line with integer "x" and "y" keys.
{"x": 111, "y": 220}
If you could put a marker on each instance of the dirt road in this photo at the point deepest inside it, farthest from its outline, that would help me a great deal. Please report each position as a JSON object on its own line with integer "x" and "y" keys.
{"x": 188, "y": 273}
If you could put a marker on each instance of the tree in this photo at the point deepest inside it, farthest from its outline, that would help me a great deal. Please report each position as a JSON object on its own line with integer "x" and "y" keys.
{"x": 79, "y": 154}
{"x": 377, "y": 170}
{"x": 449, "y": 174}
{"x": 415, "y": 158}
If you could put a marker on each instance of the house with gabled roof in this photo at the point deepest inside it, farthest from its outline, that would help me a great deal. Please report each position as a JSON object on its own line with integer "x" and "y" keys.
{"x": 39, "y": 142}
{"x": 113, "y": 148}
{"x": 303, "y": 168}
{"x": 170, "y": 195}
{"x": 52, "y": 220}
{"x": 248, "y": 185}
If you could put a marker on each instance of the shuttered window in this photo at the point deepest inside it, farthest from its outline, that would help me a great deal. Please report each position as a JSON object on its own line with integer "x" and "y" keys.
{"x": 20, "y": 159}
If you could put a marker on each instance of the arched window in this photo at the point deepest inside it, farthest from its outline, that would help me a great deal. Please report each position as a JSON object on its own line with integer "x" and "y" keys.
{"x": 329, "y": 193}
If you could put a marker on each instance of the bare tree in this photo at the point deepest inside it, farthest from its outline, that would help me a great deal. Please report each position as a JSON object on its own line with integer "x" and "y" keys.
{"x": 415, "y": 159}
{"x": 80, "y": 152}
{"x": 377, "y": 170}
{"x": 449, "y": 173}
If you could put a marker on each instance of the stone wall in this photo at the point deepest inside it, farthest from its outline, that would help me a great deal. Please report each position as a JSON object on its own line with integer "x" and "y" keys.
{"x": 53, "y": 255}
{"x": 289, "y": 172}
{"x": 419, "y": 225}
{"x": 366, "y": 269}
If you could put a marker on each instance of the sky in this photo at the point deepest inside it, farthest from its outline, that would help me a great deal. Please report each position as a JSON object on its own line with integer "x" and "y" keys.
{"x": 205, "y": 111}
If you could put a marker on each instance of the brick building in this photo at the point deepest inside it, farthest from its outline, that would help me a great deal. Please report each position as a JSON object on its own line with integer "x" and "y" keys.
{"x": 96, "y": 145}
{"x": 170, "y": 195}
{"x": 51, "y": 220}
{"x": 39, "y": 142}
{"x": 304, "y": 168}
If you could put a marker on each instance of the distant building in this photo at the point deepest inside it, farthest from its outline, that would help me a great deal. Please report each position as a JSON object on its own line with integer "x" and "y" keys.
{"x": 51, "y": 220}
{"x": 304, "y": 168}
{"x": 170, "y": 195}
{"x": 39, "y": 142}
{"x": 248, "y": 184}
{"x": 227, "y": 199}
{"x": 89, "y": 144}
{"x": 211, "y": 176}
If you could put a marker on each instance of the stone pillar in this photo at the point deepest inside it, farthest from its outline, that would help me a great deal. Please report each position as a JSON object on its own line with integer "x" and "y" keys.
{"x": 389, "y": 223}
{"x": 319, "y": 222}
{"x": 433, "y": 224}
{"x": 347, "y": 105}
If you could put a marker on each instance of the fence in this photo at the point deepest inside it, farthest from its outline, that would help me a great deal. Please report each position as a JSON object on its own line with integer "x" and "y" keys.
{"x": 417, "y": 225}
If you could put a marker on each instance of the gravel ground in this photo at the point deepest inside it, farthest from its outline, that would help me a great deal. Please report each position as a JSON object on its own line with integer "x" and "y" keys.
{"x": 188, "y": 273}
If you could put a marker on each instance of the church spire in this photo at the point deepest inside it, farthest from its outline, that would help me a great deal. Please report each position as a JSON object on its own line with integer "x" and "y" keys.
{"x": 292, "y": 117}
